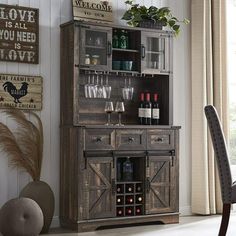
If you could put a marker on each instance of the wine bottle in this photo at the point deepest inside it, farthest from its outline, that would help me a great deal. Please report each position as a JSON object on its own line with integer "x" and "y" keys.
{"x": 129, "y": 211}
{"x": 155, "y": 111}
{"x": 129, "y": 188}
{"x": 138, "y": 188}
{"x": 119, "y": 212}
{"x": 129, "y": 200}
{"x": 147, "y": 110}
{"x": 119, "y": 189}
{"x": 141, "y": 109}
{"x": 138, "y": 211}
{"x": 128, "y": 170}
{"x": 139, "y": 199}
{"x": 118, "y": 200}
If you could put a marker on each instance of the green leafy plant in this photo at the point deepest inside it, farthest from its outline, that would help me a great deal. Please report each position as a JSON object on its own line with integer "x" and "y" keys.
{"x": 137, "y": 14}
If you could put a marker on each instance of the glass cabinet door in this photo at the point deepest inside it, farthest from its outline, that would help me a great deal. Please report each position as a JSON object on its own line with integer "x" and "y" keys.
{"x": 95, "y": 47}
{"x": 155, "y": 53}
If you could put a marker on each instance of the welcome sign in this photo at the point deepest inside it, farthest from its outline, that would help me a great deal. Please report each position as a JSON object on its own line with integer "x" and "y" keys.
{"x": 92, "y": 10}
{"x": 19, "y": 39}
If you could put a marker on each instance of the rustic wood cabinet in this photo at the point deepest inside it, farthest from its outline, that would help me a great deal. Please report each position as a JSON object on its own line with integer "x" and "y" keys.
{"x": 94, "y": 191}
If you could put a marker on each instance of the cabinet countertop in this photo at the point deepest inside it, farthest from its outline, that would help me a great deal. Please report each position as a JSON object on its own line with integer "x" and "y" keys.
{"x": 90, "y": 126}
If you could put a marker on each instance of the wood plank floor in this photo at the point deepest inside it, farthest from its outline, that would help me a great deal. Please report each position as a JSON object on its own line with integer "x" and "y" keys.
{"x": 189, "y": 226}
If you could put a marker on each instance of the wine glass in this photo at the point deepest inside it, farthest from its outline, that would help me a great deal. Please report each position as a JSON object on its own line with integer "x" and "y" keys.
{"x": 120, "y": 108}
{"x": 109, "y": 109}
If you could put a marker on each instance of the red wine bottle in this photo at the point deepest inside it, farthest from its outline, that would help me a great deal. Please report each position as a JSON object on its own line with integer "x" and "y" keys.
{"x": 147, "y": 110}
{"x": 119, "y": 212}
{"x": 155, "y": 111}
{"x": 129, "y": 200}
{"x": 129, "y": 211}
{"x": 138, "y": 211}
{"x": 141, "y": 109}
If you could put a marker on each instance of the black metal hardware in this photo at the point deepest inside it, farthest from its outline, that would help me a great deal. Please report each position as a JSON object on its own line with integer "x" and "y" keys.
{"x": 99, "y": 139}
{"x": 159, "y": 139}
{"x": 148, "y": 185}
{"x": 147, "y": 158}
{"x": 130, "y": 139}
{"x": 113, "y": 186}
{"x": 109, "y": 51}
{"x": 173, "y": 157}
{"x": 143, "y": 51}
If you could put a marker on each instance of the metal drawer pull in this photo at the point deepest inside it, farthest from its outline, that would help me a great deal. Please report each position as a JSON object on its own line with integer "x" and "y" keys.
{"x": 159, "y": 139}
{"x": 99, "y": 139}
{"x": 130, "y": 139}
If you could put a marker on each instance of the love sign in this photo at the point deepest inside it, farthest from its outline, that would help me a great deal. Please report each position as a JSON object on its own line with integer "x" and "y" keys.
{"x": 19, "y": 38}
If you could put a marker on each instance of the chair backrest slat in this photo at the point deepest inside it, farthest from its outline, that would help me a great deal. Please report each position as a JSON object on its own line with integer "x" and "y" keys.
{"x": 221, "y": 153}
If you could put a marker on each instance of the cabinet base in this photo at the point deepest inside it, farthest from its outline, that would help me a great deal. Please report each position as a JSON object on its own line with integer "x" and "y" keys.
{"x": 92, "y": 225}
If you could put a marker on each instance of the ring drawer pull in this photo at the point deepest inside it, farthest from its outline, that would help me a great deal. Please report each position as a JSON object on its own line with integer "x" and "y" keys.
{"x": 159, "y": 139}
{"x": 99, "y": 139}
{"x": 130, "y": 139}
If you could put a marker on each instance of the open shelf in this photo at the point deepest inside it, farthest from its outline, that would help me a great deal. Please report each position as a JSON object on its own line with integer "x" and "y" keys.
{"x": 125, "y": 50}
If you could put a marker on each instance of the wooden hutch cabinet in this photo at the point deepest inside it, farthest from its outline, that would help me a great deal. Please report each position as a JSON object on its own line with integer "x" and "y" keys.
{"x": 93, "y": 191}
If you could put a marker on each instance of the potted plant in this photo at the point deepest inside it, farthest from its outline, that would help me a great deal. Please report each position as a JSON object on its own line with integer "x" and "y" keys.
{"x": 24, "y": 147}
{"x": 152, "y": 17}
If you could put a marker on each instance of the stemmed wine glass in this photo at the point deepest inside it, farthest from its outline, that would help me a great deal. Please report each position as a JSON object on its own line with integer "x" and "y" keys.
{"x": 120, "y": 108}
{"x": 109, "y": 109}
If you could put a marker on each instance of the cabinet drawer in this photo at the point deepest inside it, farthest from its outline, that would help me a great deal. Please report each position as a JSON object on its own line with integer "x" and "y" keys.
{"x": 131, "y": 139}
{"x": 99, "y": 139}
{"x": 160, "y": 139}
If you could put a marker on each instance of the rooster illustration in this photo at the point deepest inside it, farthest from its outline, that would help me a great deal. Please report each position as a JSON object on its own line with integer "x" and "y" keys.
{"x": 16, "y": 93}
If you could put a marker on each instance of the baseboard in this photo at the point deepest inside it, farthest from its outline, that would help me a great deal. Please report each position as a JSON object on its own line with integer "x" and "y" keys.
{"x": 185, "y": 211}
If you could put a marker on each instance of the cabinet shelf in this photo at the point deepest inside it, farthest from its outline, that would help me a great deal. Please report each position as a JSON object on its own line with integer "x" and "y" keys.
{"x": 126, "y": 71}
{"x": 95, "y": 47}
{"x": 153, "y": 52}
{"x": 125, "y": 50}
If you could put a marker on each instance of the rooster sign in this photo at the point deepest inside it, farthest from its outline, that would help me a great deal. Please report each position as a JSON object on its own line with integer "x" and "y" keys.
{"x": 24, "y": 92}
{"x": 16, "y": 93}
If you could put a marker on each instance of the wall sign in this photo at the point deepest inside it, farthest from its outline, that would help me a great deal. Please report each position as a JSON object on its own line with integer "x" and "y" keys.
{"x": 93, "y": 10}
{"x": 20, "y": 91}
{"x": 19, "y": 37}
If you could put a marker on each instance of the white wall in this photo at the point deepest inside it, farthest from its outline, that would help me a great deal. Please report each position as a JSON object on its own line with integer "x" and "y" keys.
{"x": 52, "y": 14}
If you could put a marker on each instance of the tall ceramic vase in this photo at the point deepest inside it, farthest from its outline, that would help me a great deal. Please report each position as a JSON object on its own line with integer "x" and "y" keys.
{"x": 41, "y": 192}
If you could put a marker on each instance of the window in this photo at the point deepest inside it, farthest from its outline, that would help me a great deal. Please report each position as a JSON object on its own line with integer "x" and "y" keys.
{"x": 231, "y": 69}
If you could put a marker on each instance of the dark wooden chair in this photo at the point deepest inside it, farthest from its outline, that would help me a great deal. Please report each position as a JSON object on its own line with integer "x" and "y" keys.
{"x": 228, "y": 188}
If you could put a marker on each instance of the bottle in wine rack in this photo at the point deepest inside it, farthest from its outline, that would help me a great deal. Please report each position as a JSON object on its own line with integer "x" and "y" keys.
{"x": 139, "y": 199}
{"x": 129, "y": 200}
{"x": 155, "y": 110}
{"x": 129, "y": 211}
{"x": 119, "y": 211}
{"x": 119, "y": 200}
{"x": 138, "y": 188}
{"x": 129, "y": 188}
{"x": 141, "y": 109}
{"x": 147, "y": 110}
{"x": 128, "y": 170}
{"x": 119, "y": 188}
{"x": 138, "y": 210}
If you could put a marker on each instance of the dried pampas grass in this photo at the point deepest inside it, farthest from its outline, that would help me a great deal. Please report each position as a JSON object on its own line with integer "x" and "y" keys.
{"x": 25, "y": 145}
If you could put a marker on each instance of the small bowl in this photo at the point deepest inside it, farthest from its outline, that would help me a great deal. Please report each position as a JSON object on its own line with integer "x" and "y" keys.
{"x": 116, "y": 65}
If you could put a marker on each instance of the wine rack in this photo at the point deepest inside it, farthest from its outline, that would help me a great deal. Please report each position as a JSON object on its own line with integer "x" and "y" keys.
{"x": 129, "y": 199}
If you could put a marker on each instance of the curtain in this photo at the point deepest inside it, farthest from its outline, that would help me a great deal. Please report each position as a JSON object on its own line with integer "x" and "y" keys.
{"x": 209, "y": 86}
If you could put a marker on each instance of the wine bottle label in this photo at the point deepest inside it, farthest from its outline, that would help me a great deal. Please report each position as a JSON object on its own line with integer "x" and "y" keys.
{"x": 141, "y": 112}
{"x": 156, "y": 113}
{"x": 147, "y": 113}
